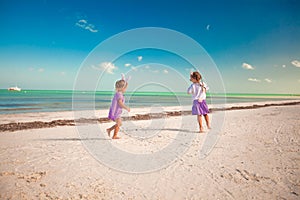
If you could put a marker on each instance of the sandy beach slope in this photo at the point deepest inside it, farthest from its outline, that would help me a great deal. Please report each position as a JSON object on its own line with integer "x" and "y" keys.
{"x": 256, "y": 156}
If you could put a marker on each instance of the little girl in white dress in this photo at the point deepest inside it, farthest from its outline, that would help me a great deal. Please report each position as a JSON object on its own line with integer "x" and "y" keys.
{"x": 198, "y": 91}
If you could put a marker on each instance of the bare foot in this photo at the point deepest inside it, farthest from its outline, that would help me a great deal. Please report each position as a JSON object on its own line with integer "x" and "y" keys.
{"x": 202, "y": 131}
{"x": 108, "y": 132}
{"x": 116, "y": 137}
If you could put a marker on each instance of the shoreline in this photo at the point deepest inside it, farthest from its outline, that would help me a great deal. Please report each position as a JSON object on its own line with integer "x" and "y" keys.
{"x": 138, "y": 114}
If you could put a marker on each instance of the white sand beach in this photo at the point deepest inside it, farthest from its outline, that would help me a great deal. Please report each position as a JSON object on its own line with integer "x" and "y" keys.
{"x": 255, "y": 156}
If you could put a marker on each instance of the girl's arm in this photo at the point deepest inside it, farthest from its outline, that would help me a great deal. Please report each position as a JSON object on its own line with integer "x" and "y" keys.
{"x": 190, "y": 90}
{"x": 122, "y": 105}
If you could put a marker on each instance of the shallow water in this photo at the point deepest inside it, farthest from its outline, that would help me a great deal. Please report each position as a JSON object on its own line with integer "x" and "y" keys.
{"x": 62, "y": 100}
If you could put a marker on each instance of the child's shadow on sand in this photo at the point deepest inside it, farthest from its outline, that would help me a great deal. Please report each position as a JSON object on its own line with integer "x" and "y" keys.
{"x": 162, "y": 129}
{"x": 171, "y": 129}
{"x": 127, "y": 130}
{"x": 73, "y": 139}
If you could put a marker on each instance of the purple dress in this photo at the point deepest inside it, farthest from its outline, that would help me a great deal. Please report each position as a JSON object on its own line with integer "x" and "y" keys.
{"x": 200, "y": 108}
{"x": 115, "y": 110}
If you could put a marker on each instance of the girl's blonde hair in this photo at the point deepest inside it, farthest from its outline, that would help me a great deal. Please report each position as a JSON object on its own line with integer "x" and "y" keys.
{"x": 120, "y": 84}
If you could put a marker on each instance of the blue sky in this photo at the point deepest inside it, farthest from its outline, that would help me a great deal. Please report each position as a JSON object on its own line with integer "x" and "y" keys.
{"x": 254, "y": 44}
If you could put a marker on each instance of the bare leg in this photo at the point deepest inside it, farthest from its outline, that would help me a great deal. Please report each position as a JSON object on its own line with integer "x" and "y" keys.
{"x": 110, "y": 129}
{"x": 200, "y": 123}
{"x": 117, "y": 128}
{"x": 207, "y": 121}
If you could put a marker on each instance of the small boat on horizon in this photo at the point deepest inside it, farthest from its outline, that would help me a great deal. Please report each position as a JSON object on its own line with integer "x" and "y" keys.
{"x": 16, "y": 88}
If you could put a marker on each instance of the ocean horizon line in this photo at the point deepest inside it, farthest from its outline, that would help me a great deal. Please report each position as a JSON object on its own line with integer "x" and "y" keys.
{"x": 107, "y": 92}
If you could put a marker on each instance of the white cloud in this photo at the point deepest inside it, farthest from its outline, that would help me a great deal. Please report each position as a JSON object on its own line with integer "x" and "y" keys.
{"x": 254, "y": 80}
{"x": 32, "y": 69}
{"x": 127, "y": 65}
{"x": 208, "y": 27}
{"x": 155, "y": 71}
{"x": 91, "y": 28}
{"x": 165, "y": 71}
{"x": 147, "y": 67}
{"x": 134, "y": 68}
{"x": 296, "y": 63}
{"x": 107, "y": 67}
{"x": 140, "y": 58}
{"x": 247, "y": 66}
{"x": 82, "y": 23}
{"x": 283, "y": 66}
{"x": 268, "y": 80}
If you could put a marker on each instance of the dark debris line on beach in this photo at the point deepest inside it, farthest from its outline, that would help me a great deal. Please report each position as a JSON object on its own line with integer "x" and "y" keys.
{"x": 39, "y": 124}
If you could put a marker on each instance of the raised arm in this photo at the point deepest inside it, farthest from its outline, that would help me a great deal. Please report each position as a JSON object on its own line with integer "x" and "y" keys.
{"x": 190, "y": 90}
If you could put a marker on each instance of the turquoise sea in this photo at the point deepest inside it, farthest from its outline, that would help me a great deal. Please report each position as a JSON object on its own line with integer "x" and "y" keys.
{"x": 61, "y": 100}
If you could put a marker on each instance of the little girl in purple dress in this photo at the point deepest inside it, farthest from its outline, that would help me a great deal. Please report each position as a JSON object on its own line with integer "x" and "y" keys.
{"x": 198, "y": 91}
{"x": 117, "y": 104}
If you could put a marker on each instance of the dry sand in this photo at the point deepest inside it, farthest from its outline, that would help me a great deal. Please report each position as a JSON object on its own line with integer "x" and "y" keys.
{"x": 256, "y": 157}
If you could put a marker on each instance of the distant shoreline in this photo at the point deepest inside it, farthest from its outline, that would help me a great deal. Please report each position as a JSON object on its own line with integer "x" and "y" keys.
{"x": 16, "y": 126}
